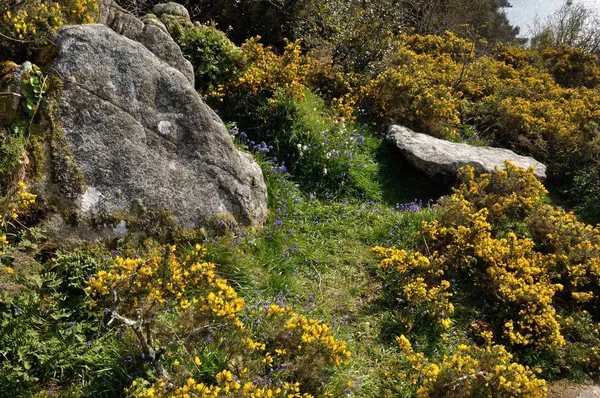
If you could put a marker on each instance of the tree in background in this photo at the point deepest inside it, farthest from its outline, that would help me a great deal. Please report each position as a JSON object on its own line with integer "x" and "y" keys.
{"x": 572, "y": 25}
{"x": 353, "y": 32}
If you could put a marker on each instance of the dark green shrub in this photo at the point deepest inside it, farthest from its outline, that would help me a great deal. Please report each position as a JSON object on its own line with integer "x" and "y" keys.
{"x": 48, "y": 339}
{"x": 585, "y": 191}
{"x": 212, "y": 54}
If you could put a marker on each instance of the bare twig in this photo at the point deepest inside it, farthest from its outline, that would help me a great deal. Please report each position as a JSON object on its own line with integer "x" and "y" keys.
{"x": 187, "y": 337}
{"x": 9, "y": 93}
{"x": 426, "y": 245}
{"x": 320, "y": 280}
{"x": 147, "y": 348}
{"x": 457, "y": 382}
{"x": 17, "y": 40}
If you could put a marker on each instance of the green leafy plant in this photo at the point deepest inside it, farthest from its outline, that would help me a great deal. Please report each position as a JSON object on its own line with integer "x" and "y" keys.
{"x": 34, "y": 87}
{"x": 214, "y": 57}
{"x": 47, "y": 336}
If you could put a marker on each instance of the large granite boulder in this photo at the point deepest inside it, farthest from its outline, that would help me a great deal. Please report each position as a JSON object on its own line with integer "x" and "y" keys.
{"x": 131, "y": 132}
{"x": 436, "y": 157}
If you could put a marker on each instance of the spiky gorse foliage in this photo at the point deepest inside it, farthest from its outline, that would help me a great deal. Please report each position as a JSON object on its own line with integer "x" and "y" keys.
{"x": 227, "y": 386}
{"x": 434, "y": 83}
{"x": 264, "y": 75}
{"x": 177, "y": 306}
{"x": 496, "y": 245}
{"x": 416, "y": 85}
{"x": 469, "y": 371}
{"x": 147, "y": 284}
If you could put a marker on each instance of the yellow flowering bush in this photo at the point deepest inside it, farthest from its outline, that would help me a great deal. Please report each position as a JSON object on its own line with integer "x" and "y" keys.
{"x": 181, "y": 313}
{"x": 227, "y": 386}
{"x": 167, "y": 281}
{"x": 291, "y": 357}
{"x": 295, "y": 345}
{"x": 417, "y": 89}
{"x": 419, "y": 283}
{"x": 16, "y": 203}
{"x": 575, "y": 247}
{"x": 28, "y": 27}
{"x": 572, "y": 67}
{"x": 165, "y": 300}
{"x": 264, "y": 80}
{"x": 33, "y": 22}
{"x": 466, "y": 371}
{"x": 434, "y": 83}
{"x": 264, "y": 73}
{"x": 543, "y": 103}
{"x": 497, "y": 246}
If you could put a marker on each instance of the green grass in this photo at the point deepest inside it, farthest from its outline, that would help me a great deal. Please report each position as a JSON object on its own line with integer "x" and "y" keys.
{"x": 315, "y": 256}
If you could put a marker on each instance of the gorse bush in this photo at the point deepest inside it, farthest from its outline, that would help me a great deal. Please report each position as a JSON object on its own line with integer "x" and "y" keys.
{"x": 189, "y": 325}
{"x": 467, "y": 371}
{"x": 572, "y": 67}
{"x": 28, "y": 25}
{"x": 498, "y": 248}
{"x": 417, "y": 89}
{"x": 542, "y": 103}
{"x": 263, "y": 78}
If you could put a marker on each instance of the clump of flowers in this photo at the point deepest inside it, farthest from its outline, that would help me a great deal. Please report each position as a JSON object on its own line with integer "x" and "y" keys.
{"x": 37, "y": 19}
{"x": 138, "y": 289}
{"x": 264, "y": 73}
{"x": 227, "y": 386}
{"x": 467, "y": 371}
{"x": 19, "y": 202}
{"x": 420, "y": 285}
{"x": 263, "y": 81}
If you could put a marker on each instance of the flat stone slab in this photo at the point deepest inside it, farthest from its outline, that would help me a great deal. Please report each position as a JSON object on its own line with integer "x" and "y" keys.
{"x": 436, "y": 157}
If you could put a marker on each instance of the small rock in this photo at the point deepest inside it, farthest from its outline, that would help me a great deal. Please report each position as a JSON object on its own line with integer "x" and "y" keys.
{"x": 171, "y": 8}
